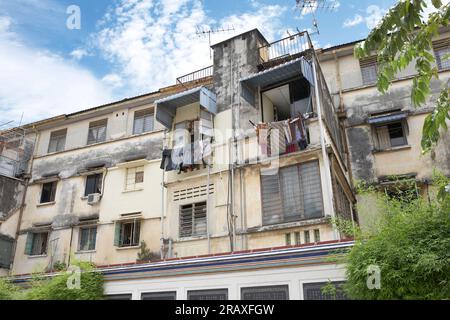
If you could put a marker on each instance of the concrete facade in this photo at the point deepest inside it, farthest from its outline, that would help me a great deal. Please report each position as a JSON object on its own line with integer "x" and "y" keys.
{"x": 234, "y": 203}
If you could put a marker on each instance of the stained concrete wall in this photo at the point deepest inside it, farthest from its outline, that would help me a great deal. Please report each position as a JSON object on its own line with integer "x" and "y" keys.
{"x": 361, "y": 101}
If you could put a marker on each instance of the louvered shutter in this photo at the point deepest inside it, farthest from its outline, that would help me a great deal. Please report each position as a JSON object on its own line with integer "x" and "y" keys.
{"x": 311, "y": 189}
{"x": 271, "y": 199}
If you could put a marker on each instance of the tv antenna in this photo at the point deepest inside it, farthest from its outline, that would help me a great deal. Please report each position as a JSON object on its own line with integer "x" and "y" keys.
{"x": 207, "y": 32}
{"x": 311, "y": 6}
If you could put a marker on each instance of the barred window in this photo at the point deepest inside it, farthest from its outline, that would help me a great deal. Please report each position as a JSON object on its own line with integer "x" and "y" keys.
{"x": 143, "y": 121}
{"x": 295, "y": 193}
{"x": 57, "y": 141}
{"x": 97, "y": 131}
{"x": 391, "y": 135}
{"x": 214, "y": 294}
{"x": 265, "y": 293}
{"x": 193, "y": 219}
{"x": 170, "y": 295}
{"x": 314, "y": 291}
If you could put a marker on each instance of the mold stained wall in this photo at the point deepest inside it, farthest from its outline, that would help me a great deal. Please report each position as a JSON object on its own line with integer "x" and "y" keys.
{"x": 361, "y": 101}
{"x": 70, "y": 204}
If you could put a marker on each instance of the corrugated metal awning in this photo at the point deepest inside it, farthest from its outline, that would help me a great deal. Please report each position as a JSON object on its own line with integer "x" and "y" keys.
{"x": 280, "y": 73}
{"x": 166, "y": 107}
{"x": 387, "y": 118}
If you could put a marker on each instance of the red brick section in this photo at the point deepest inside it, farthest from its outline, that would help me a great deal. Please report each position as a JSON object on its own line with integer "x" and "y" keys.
{"x": 215, "y": 254}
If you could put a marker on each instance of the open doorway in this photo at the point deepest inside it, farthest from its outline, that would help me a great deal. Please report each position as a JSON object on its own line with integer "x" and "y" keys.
{"x": 286, "y": 101}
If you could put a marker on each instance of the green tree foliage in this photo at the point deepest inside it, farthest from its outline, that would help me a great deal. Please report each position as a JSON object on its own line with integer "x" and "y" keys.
{"x": 56, "y": 288}
{"x": 403, "y": 36}
{"x": 411, "y": 246}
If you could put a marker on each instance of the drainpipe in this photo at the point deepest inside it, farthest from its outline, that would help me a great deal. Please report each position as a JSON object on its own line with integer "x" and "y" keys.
{"x": 326, "y": 161}
{"x": 207, "y": 208}
{"x": 162, "y": 204}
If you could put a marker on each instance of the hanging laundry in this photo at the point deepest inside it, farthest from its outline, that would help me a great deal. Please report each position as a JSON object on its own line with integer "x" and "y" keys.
{"x": 278, "y": 136}
{"x": 167, "y": 163}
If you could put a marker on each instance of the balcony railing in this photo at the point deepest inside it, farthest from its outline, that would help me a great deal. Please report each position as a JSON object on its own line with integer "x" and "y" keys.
{"x": 196, "y": 75}
{"x": 287, "y": 47}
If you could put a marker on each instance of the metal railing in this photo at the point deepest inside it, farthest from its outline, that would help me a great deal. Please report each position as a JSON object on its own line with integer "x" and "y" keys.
{"x": 196, "y": 75}
{"x": 286, "y": 47}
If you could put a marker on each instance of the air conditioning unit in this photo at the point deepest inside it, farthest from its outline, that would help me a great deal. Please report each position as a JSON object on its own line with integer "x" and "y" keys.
{"x": 94, "y": 198}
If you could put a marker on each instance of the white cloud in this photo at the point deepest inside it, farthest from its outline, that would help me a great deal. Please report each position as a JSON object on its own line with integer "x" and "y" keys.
{"x": 40, "y": 84}
{"x": 151, "y": 43}
{"x": 113, "y": 80}
{"x": 374, "y": 16}
{"x": 357, "y": 19}
{"x": 79, "y": 54}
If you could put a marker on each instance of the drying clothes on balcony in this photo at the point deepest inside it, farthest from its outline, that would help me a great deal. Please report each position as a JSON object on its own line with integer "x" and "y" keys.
{"x": 263, "y": 134}
{"x": 167, "y": 163}
{"x": 278, "y": 134}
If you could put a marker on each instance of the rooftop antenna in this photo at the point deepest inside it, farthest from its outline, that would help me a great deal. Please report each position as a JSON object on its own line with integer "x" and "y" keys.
{"x": 311, "y": 6}
{"x": 207, "y": 32}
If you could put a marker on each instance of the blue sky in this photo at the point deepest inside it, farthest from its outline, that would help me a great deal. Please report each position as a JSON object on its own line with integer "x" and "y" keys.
{"x": 129, "y": 47}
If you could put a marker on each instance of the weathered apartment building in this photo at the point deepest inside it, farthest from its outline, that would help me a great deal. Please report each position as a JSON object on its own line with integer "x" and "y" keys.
{"x": 231, "y": 177}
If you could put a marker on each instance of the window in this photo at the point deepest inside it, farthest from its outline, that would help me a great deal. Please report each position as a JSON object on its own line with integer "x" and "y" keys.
{"x": 215, "y": 294}
{"x": 193, "y": 219}
{"x": 391, "y": 135}
{"x": 313, "y": 291}
{"x": 118, "y": 297}
{"x": 307, "y": 237}
{"x": 36, "y": 244}
{"x": 135, "y": 178}
{"x": 265, "y": 293}
{"x": 288, "y": 239}
{"x": 6, "y": 248}
{"x": 97, "y": 131}
{"x": 293, "y": 194}
{"x": 93, "y": 184}
{"x": 441, "y": 49}
{"x": 171, "y": 295}
{"x": 48, "y": 192}
{"x": 297, "y": 238}
{"x": 127, "y": 234}
{"x": 143, "y": 121}
{"x": 88, "y": 237}
{"x": 317, "y": 235}
{"x": 57, "y": 141}
{"x": 342, "y": 203}
{"x": 369, "y": 70}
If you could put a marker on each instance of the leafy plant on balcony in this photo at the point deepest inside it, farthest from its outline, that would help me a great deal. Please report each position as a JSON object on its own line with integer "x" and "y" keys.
{"x": 146, "y": 255}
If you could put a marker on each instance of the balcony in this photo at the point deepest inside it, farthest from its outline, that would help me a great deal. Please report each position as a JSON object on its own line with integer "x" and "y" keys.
{"x": 196, "y": 75}
{"x": 284, "y": 50}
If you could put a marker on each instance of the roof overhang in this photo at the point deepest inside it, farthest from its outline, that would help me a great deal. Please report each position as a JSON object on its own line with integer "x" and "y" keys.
{"x": 280, "y": 73}
{"x": 387, "y": 118}
{"x": 166, "y": 108}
